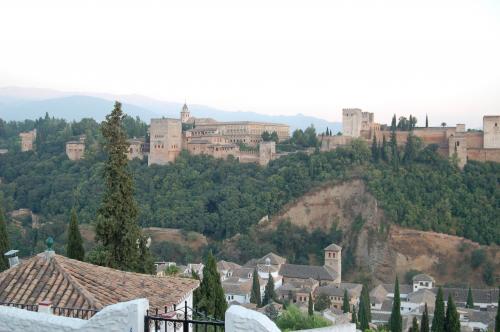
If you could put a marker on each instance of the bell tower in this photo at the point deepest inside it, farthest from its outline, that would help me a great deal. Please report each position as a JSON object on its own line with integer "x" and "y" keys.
{"x": 185, "y": 115}
{"x": 333, "y": 258}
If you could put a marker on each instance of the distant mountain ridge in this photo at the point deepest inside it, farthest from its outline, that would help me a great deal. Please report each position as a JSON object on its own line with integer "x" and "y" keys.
{"x": 18, "y": 104}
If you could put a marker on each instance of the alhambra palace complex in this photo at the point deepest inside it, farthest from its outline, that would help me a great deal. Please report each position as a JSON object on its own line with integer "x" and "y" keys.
{"x": 467, "y": 145}
{"x": 168, "y": 137}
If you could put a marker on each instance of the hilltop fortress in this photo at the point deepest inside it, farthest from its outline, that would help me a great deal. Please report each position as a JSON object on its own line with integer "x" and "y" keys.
{"x": 451, "y": 141}
{"x": 168, "y": 137}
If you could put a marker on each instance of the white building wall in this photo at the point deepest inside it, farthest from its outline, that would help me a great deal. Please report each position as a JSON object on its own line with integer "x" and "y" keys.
{"x": 125, "y": 316}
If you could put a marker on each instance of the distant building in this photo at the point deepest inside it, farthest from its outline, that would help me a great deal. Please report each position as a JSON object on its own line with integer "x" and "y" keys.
{"x": 27, "y": 140}
{"x": 136, "y": 149}
{"x": 75, "y": 149}
{"x": 165, "y": 141}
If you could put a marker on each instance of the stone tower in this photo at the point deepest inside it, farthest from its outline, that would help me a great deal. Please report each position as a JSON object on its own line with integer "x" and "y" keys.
{"x": 457, "y": 145}
{"x": 267, "y": 151}
{"x": 352, "y": 119}
{"x": 165, "y": 141}
{"x": 491, "y": 128}
{"x": 333, "y": 258}
{"x": 185, "y": 114}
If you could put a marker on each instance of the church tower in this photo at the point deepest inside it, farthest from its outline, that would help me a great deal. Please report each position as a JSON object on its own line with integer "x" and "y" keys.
{"x": 333, "y": 259}
{"x": 185, "y": 114}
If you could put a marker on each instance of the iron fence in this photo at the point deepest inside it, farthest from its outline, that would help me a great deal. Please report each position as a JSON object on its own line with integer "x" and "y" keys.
{"x": 59, "y": 311}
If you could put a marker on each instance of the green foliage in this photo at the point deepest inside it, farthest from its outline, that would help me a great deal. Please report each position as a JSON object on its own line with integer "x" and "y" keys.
{"x": 396, "y": 321}
{"x": 497, "y": 317}
{"x": 271, "y": 311}
{"x": 354, "y": 317}
{"x": 172, "y": 251}
{"x": 210, "y": 299}
{"x": 345, "y": 302}
{"x": 304, "y": 139}
{"x": 364, "y": 317}
{"x": 322, "y": 302}
{"x": 74, "y": 244}
{"x": 4, "y": 241}
{"x": 424, "y": 322}
{"x": 470, "y": 300}
{"x": 310, "y": 306}
{"x": 293, "y": 319}
{"x": 439, "y": 314}
{"x": 269, "y": 294}
{"x": 171, "y": 270}
{"x": 117, "y": 229}
{"x": 477, "y": 258}
{"x": 414, "y": 325}
{"x": 255, "y": 296}
{"x": 489, "y": 274}
{"x": 410, "y": 274}
{"x": 452, "y": 319}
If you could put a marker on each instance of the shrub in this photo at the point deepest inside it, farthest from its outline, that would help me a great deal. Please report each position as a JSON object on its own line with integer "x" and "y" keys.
{"x": 477, "y": 258}
{"x": 293, "y": 319}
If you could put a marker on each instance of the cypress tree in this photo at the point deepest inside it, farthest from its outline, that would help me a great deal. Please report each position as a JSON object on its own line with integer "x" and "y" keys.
{"x": 383, "y": 150}
{"x": 396, "y": 321}
{"x": 255, "y": 294}
{"x": 410, "y": 150}
{"x": 497, "y": 318}
{"x": 424, "y": 323}
{"x": 354, "y": 318}
{"x": 364, "y": 316}
{"x": 310, "y": 308}
{"x": 116, "y": 228}
{"x": 4, "y": 241}
{"x": 74, "y": 248}
{"x": 438, "y": 319}
{"x": 269, "y": 293}
{"x": 394, "y": 144}
{"x": 452, "y": 319}
{"x": 426, "y": 121}
{"x": 375, "y": 150}
{"x": 345, "y": 303}
{"x": 414, "y": 325}
{"x": 211, "y": 299}
{"x": 470, "y": 300}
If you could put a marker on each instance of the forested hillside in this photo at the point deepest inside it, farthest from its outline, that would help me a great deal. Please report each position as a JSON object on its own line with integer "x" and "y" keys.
{"x": 222, "y": 198}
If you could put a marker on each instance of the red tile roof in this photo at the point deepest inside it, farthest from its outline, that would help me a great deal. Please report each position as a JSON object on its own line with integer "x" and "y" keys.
{"x": 74, "y": 284}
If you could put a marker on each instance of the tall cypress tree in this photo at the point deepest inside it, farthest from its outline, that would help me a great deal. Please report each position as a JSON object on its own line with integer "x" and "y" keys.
{"x": 396, "y": 321}
{"x": 354, "y": 318}
{"x": 410, "y": 150}
{"x": 394, "y": 144}
{"x": 424, "y": 323}
{"x": 117, "y": 229}
{"x": 470, "y": 300}
{"x": 375, "y": 150}
{"x": 438, "y": 319}
{"x": 426, "y": 121}
{"x": 74, "y": 247}
{"x": 211, "y": 299}
{"x": 4, "y": 241}
{"x": 255, "y": 294}
{"x": 345, "y": 302}
{"x": 269, "y": 293}
{"x": 452, "y": 319}
{"x": 383, "y": 150}
{"x": 364, "y": 316}
{"x": 310, "y": 307}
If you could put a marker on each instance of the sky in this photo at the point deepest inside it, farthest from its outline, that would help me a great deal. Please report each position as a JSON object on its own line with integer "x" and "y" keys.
{"x": 435, "y": 57}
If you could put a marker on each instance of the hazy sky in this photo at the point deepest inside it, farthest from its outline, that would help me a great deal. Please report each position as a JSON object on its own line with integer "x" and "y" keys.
{"x": 279, "y": 57}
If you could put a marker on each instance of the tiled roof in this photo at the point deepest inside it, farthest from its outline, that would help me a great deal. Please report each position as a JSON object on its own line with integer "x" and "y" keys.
{"x": 486, "y": 295}
{"x": 338, "y": 290}
{"x": 307, "y": 271}
{"x": 422, "y": 296}
{"x": 333, "y": 247}
{"x": 423, "y": 277}
{"x": 273, "y": 259}
{"x": 403, "y": 289}
{"x": 74, "y": 284}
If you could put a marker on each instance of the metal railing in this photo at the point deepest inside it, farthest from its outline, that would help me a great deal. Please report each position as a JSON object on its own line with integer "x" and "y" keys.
{"x": 59, "y": 311}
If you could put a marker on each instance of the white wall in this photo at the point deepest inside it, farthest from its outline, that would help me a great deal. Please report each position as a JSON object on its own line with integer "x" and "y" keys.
{"x": 125, "y": 316}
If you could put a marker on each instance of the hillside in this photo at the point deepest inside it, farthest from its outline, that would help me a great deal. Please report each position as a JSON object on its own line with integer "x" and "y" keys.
{"x": 381, "y": 249}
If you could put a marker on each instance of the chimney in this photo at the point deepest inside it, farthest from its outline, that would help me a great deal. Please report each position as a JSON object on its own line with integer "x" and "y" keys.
{"x": 12, "y": 256}
{"x": 45, "y": 307}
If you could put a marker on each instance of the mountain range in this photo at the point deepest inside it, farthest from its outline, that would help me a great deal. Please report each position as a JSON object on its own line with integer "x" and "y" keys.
{"x": 17, "y": 103}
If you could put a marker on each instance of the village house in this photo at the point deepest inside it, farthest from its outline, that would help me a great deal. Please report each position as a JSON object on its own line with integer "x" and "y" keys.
{"x": 336, "y": 293}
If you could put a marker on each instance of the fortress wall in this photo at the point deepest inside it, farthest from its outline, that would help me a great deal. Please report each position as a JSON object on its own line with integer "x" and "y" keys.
{"x": 474, "y": 140}
{"x": 484, "y": 154}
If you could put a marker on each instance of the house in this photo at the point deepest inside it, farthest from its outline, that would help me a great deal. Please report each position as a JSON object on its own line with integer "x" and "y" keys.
{"x": 336, "y": 293}
{"x": 421, "y": 281}
{"x": 69, "y": 283}
{"x": 226, "y": 269}
{"x": 297, "y": 291}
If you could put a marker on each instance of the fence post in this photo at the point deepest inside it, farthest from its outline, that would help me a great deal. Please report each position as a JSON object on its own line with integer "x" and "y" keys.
{"x": 146, "y": 322}
{"x": 186, "y": 323}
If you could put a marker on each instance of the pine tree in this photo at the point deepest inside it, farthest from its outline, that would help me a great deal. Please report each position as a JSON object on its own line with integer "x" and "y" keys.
{"x": 210, "y": 299}
{"x": 452, "y": 319}
{"x": 396, "y": 321}
{"x": 383, "y": 150}
{"x": 117, "y": 229}
{"x": 414, "y": 325}
{"x": 497, "y": 318}
{"x": 255, "y": 294}
{"x": 354, "y": 318}
{"x": 310, "y": 307}
{"x": 470, "y": 300}
{"x": 426, "y": 121}
{"x": 394, "y": 145}
{"x": 424, "y": 323}
{"x": 438, "y": 319}
{"x": 345, "y": 303}
{"x": 74, "y": 248}
{"x": 410, "y": 150}
{"x": 4, "y": 241}
{"x": 269, "y": 293}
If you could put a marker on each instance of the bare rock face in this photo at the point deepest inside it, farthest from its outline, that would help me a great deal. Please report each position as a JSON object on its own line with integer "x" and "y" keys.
{"x": 380, "y": 249}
